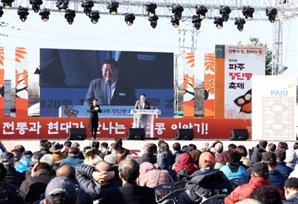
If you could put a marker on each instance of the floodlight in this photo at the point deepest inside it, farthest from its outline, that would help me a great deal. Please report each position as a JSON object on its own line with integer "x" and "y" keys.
{"x": 201, "y": 11}
{"x": 196, "y": 22}
{"x": 175, "y": 22}
{"x": 62, "y": 5}
{"x": 113, "y": 6}
{"x": 36, "y": 5}
{"x": 248, "y": 12}
{"x": 218, "y": 21}
{"x": 7, "y": 3}
{"x": 240, "y": 23}
{"x": 1, "y": 11}
{"x": 129, "y": 18}
{"x": 271, "y": 13}
{"x": 45, "y": 13}
{"x": 87, "y": 5}
{"x": 177, "y": 10}
{"x": 23, "y": 13}
{"x": 150, "y": 8}
{"x": 225, "y": 12}
{"x": 94, "y": 15}
{"x": 70, "y": 15}
{"x": 153, "y": 21}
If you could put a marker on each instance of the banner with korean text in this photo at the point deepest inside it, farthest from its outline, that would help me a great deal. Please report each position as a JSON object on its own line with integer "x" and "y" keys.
{"x": 274, "y": 108}
{"x": 209, "y": 85}
{"x": 188, "y": 85}
{"x": 2, "y": 82}
{"x": 21, "y": 74}
{"x": 240, "y": 65}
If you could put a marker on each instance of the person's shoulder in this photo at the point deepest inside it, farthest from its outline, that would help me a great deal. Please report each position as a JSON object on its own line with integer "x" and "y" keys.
{"x": 99, "y": 80}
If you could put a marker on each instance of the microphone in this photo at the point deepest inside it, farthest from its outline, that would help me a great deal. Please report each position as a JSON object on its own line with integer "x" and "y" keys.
{"x": 109, "y": 81}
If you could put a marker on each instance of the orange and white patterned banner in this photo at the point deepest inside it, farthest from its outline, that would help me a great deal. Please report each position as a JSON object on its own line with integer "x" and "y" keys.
{"x": 21, "y": 71}
{"x": 209, "y": 85}
{"x": 188, "y": 85}
{"x": 2, "y": 82}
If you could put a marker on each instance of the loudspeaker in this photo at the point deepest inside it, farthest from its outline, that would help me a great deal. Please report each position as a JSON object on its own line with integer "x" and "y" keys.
{"x": 184, "y": 134}
{"x": 239, "y": 134}
{"x": 77, "y": 134}
{"x": 135, "y": 134}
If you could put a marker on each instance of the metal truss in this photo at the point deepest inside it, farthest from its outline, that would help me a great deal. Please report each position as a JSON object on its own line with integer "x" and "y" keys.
{"x": 287, "y": 9}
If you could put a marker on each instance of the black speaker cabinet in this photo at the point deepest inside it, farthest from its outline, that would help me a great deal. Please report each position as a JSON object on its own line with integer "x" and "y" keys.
{"x": 239, "y": 134}
{"x": 184, "y": 134}
{"x": 77, "y": 134}
{"x": 135, "y": 134}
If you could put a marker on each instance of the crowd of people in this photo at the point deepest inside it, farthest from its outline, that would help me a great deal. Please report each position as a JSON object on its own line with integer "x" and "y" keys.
{"x": 108, "y": 173}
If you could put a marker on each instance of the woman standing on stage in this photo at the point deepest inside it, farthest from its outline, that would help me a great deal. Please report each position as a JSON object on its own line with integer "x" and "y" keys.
{"x": 93, "y": 119}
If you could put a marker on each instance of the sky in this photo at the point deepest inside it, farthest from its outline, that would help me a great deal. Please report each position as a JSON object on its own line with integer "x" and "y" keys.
{"x": 111, "y": 33}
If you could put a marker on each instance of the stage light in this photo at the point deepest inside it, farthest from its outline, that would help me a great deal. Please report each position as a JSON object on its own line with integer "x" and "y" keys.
{"x": 240, "y": 23}
{"x": 70, "y": 15}
{"x": 129, "y": 18}
{"x": 87, "y": 5}
{"x": 201, "y": 11}
{"x": 225, "y": 12}
{"x": 218, "y": 21}
{"x": 7, "y": 3}
{"x": 45, "y": 13}
{"x": 36, "y": 5}
{"x": 150, "y": 8}
{"x": 112, "y": 6}
{"x": 23, "y": 13}
{"x": 248, "y": 12}
{"x": 62, "y": 5}
{"x": 1, "y": 11}
{"x": 196, "y": 22}
{"x": 174, "y": 22}
{"x": 94, "y": 15}
{"x": 153, "y": 21}
{"x": 177, "y": 11}
{"x": 271, "y": 13}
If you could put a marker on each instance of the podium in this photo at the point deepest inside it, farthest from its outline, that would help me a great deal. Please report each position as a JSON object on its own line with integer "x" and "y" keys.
{"x": 151, "y": 115}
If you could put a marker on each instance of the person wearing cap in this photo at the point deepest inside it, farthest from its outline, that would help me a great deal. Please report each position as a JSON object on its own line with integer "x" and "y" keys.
{"x": 281, "y": 164}
{"x": 291, "y": 191}
{"x": 110, "y": 158}
{"x": 56, "y": 152}
{"x": 61, "y": 190}
{"x": 34, "y": 159}
{"x": 276, "y": 178}
{"x": 259, "y": 177}
{"x": 13, "y": 177}
{"x": 206, "y": 182}
{"x": 73, "y": 158}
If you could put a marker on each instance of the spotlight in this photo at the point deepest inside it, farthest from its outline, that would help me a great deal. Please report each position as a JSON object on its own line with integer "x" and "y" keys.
{"x": 175, "y": 22}
{"x": 271, "y": 13}
{"x": 35, "y": 5}
{"x": 62, "y": 5}
{"x": 218, "y": 21}
{"x": 201, "y": 11}
{"x": 196, "y": 22}
{"x": 150, "y": 8}
{"x": 153, "y": 21}
{"x": 7, "y": 3}
{"x": 177, "y": 11}
{"x": 23, "y": 13}
{"x": 225, "y": 12}
{"x": 70, "y": 15}
{"x": 87, "y": 5}
{"x": 1, "y": 11}
{"x": 94, "y": 15}
{"x": 129, "y": 18}
{"x": 240, "y": 23}
{"x": 248, "y": 12}
{"x": 45, "y": 13}
{"x": 112, "y": 6}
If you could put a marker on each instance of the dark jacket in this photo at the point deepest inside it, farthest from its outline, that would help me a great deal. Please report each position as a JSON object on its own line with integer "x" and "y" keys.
{"x": 147, "y": 158}
{"x": 283, "y": 168}
{"x": 72, "y": 161}
{"x": 13, "y": 177}
{"x": 129, "y": 193}
{"x": 205, "y": 183}
{"x": 256, "y": 155}
{"x": 89, "y": 185}
{"x": 8, "y": 196}
{"x": 163, "y": 162}
{"x": 277, "y": 179}
{"x": 293, "y": 199}
{"x": 33, "y": 187}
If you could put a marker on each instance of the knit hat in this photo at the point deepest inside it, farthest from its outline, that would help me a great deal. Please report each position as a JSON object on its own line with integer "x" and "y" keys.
{"x": 291, "y": 182}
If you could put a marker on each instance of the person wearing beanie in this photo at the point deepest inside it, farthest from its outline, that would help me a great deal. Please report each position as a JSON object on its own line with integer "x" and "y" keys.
{"x": 291, "y": 191}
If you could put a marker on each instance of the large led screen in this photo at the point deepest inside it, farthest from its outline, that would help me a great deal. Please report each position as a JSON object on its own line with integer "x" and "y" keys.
{"x": 75, "y": 77}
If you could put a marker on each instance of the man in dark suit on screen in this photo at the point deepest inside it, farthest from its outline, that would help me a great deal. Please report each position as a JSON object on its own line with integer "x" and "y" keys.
{"x": 141, "y": 119}
{"x": 110, "y": 90}
{"x": 130, "y": 192}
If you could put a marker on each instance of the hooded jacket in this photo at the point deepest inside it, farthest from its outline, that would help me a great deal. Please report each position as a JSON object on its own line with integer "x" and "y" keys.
{"x": 163, "y": 162}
